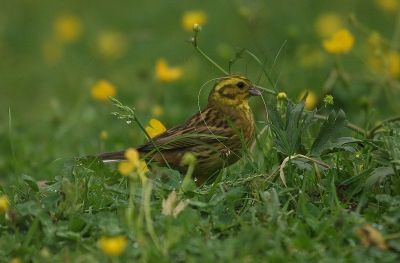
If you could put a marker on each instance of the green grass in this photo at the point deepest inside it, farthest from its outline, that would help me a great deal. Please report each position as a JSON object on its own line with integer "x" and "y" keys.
{"x": 323, "y": 214}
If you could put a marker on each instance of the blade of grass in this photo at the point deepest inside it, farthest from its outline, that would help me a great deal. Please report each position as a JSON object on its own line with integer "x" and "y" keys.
{"x": 15, "y": 164}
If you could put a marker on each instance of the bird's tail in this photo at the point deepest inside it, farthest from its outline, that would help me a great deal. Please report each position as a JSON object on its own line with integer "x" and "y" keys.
{"x": 110, "y": 156}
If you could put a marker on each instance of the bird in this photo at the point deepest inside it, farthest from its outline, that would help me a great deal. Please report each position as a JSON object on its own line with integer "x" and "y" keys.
{"x": 213, "y": 135}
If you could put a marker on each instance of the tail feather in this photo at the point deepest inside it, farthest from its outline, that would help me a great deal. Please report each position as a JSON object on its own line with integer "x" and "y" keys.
{"x": 110, "y": 156}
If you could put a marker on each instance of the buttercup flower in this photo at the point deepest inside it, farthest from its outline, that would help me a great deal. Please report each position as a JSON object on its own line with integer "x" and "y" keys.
{"x": 341, "y": 42}
{"x": 165, "y": 73}
{"x": 193, "y": 17}
{"x": 327, "y": 24}
{"x": 386, "y": 63}
{"x": 113, "y": 246}
{"x": 16, "y": 260}
{"x": 388, "y": 5}
{"x": 102, "y": 90}
{"x": 311, "y": 101}
{"x": 157, "y": 110}
{"x": 67, "y": 28}
{"x": 155, "y": 128}
{"x": 133, "y": 164}
{"x": 4, "y": 205}
{"x": 112, "y": 45}
{"x": 104, "y": 135}
{"x": 394, "y": 64}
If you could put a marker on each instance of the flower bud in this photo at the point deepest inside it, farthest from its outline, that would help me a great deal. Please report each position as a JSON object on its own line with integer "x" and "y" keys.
{"x": 328, "y": 100}
{"x": 196, "y": 28}
{"x": 281, "y": 96}
{"x": 188, "y": 158}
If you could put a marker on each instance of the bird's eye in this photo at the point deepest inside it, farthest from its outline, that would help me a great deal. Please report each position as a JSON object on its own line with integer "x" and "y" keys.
{"x": 240, "y": 85}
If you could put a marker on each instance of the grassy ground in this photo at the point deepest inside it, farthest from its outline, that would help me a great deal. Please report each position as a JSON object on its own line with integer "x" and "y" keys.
{"x": 336, "y": 202}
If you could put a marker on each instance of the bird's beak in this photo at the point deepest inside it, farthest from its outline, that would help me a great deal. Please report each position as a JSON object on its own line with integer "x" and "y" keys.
{"x": 254, "y": 91}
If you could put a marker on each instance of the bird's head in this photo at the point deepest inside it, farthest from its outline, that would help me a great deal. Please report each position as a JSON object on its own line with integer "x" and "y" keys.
{"x": 232, "y": 90}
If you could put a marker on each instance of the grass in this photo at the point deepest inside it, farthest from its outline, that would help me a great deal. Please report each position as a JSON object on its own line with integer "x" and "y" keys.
{"x": 339, "y": 203}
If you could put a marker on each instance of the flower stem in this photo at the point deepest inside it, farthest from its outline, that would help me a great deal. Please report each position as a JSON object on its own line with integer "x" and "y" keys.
{"x": 196, "y": 46}
{"x": 210, "y": 60}
{"x": 147, "y": 188}
{"x": 132, "y": 117}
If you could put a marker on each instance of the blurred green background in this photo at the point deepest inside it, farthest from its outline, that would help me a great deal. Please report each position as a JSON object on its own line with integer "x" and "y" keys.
{"x": 53, "y": 52}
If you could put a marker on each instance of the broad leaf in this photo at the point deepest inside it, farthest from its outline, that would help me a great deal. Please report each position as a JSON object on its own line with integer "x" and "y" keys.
{"x": 330, "y": 129}
{"x": 288, "y": 134}
{"x": 31, "y": 182}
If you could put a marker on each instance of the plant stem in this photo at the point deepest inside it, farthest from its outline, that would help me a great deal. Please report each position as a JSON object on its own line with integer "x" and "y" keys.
{"x": 210, "y": 60}
{"x": 147, "y": 187}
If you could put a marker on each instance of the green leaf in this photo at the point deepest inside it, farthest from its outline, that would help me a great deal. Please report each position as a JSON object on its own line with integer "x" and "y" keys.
{"x": 302, "y": 164}
{"x": 28, "y": 208}
{"x": 376, "y": 175}
{"x": 287, "y": 138}
{"x": 356, "y": 178}
{"x": 330, "y": 129}
{"x": 77, "y": 224}
{"x": 50, "y": 202}
{"x": 341, "y": 143}
{"x": 31, "y": 182}
{"x": 381, "y": 156}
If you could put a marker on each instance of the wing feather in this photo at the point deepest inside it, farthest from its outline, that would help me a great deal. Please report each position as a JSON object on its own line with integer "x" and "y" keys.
{"x": 193, "y": 132}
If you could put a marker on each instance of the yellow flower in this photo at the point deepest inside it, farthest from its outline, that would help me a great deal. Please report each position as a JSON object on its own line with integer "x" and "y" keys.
{"x": 4, "y": 205}
{"x": 104, "y": 135}
{"x": 165, "y": 73}
{"x": 311, "y": 101}
{"x": 341, "y": 42}
{"x": 102, "y": 90}
{"x": 112, "y": 45}
{"x": 157, "y": 110}
{"x": 193, "y": 17}
{"x": 389, "y": 63}
{"x": 133, "y": 164}
{"x": 374, "y": 40}
{"x": 388, "y": 5}
{"x": 394, "y": 64}
{"x": 113, "y": 246}
{"x": 16, "y": 260}
{"x": 155, "y": 128}
{"x": 327, "y": 24}
{"x": 67, "y": 28}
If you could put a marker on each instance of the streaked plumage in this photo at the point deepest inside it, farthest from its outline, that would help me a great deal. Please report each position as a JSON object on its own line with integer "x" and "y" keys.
{"x": 227, "y": 100}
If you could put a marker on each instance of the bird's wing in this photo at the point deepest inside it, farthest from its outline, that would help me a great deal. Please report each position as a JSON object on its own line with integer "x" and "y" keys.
{"x": 193, "y": 132}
